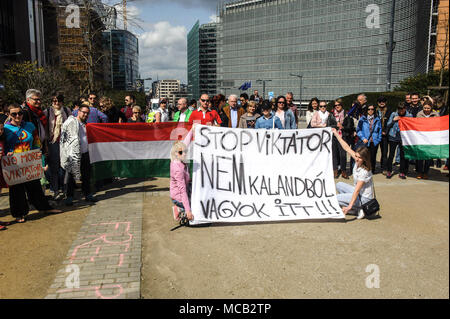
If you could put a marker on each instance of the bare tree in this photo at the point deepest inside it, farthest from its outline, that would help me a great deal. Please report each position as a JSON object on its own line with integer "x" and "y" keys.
{"x": 442, "y": 50}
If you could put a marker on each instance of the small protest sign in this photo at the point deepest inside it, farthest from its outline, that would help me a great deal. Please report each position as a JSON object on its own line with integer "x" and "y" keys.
{"x": 22, "y": 167}
{"x": 245, "y": 175}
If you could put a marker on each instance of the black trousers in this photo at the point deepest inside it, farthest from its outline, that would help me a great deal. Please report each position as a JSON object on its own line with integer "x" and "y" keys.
{"x": 18, "y": 202}
{"x": 373, "y": 156}
{"x": 423, "y": 166}
{"x": 384, "y": 145}
{"x": 339, "y": 155}
{"x": 404, "y": 163}
{"x": 351, "y": 142}
{"x": 85, "y": 178}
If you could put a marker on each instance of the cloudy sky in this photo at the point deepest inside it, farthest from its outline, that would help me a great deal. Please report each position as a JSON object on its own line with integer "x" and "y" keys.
{"x": 162, "y": 27}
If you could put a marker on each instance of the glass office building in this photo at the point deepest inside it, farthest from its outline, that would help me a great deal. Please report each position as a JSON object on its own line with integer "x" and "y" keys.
{"x": 202, "y": 60}
{"x": 123, "y": 48}
{"x": 193, "y": 62}
{"x": 338, "y": 47}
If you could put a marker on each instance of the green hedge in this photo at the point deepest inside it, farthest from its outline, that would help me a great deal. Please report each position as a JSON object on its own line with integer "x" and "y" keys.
{"x": 393, "y": 98}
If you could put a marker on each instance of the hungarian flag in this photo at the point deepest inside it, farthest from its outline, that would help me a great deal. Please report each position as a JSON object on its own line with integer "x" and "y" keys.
{"x": 133, "y": 149}
{"x": 424, "y": 138}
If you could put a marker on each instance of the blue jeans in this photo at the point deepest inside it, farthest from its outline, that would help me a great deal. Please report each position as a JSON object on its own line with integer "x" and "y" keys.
{"x": 345, "y": 196}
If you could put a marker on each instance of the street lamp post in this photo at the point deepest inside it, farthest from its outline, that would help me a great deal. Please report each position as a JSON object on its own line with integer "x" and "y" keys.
{"x": 264, "y": 86}
{"x": 301, "y": 87}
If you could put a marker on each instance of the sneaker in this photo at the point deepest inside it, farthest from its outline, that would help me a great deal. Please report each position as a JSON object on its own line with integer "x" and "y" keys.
{"x": 419, "y": 176}
{"x": 384, "y": 173}
{"x": 360, "y": 214}
{"x": 402, "y": 176}
{"x": 389, "y": 175}
{"x": 91, "y": 198}
{"x": 68, "y": 201}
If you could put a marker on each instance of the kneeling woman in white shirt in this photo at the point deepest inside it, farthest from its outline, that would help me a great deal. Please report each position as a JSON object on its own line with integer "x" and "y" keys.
{"x": 350, "y": 197}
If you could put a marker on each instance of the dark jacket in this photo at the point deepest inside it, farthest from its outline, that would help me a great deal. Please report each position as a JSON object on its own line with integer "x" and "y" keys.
{"x": 414, "y": 110}
{"x": 348, "y": 129}
{"x": 114, "y": 115}
{"x": 30, "y": 116}
{"x": 384, "y": 119}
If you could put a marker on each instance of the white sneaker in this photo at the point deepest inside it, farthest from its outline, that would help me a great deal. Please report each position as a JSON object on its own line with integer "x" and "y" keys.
{"x": 360, "y": 214}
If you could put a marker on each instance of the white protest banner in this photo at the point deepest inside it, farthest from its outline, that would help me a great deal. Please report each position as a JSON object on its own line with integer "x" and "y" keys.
{"x": 246, "y": 175}
{"x": 22, "y": 167}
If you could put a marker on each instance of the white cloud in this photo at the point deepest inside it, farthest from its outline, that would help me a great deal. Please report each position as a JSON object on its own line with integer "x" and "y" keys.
{"x": 163, "y": 52}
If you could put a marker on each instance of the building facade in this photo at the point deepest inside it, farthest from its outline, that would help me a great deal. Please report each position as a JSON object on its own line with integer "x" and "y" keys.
{"x": 202, "y": 60}
{"x": 337, "y": 47}
{"x": 439, "y": 42}
{"x": 22, "y": 32}
{"x": 166, "y": 89}
{"x": 123, "y": 52}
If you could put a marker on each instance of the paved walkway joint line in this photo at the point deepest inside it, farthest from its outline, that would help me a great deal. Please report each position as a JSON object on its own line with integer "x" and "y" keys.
{"x": 104, "y": 261}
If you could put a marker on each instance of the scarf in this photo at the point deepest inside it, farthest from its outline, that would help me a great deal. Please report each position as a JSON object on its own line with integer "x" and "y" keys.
{"x": 58, "y": 124}
{"x": 323, "y": 117}
{"x": 39, "y": 113}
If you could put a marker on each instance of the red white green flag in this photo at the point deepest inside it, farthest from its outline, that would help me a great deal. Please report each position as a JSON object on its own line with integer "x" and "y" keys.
{"x": 424, "y": 138}
{"x": 133, "y": 149}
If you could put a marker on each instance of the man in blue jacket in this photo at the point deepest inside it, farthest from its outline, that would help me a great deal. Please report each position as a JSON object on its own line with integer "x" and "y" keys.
{"x": 369, "y": 133}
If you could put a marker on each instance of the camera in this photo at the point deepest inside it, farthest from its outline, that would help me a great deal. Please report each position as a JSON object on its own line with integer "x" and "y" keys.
{"x": 183, "y": 218}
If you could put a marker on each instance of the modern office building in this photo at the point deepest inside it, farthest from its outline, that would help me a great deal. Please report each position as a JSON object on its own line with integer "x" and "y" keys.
{"x": 123, "y": 51}
{"x": 202, "y": 60}
{"x": 166, "y": 89}
{"x": 22, "y": 32}
{"x": 324, "y": 48}
{"x": 193, "y": 62}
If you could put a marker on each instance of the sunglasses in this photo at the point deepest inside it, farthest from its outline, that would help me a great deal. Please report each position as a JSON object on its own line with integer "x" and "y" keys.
{"x": 281, "y": 102}
{"x": 204, "y": 100}
{"x": 181, "y": 152}
{"x": 38, "y": 99}
{"x": 337, "y": 105}
{"x": 136, "y": 112}
{"x": 16, "y": 114}
{"x": 163, "y": 103}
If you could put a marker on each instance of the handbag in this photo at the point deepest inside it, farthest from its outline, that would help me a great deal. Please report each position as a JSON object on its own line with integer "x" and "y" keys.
{"x": 372, "y": 206}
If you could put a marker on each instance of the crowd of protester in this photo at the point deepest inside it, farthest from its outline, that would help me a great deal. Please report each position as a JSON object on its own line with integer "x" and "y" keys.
{"x": 59, "y": 131}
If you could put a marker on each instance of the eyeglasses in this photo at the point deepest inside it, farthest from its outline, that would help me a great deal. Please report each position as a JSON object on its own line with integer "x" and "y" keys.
{"x": 85, "y": 112}
{"x": 16, "y": 114}
{"x": 92, "y": 98}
